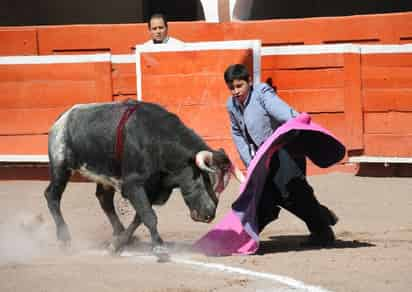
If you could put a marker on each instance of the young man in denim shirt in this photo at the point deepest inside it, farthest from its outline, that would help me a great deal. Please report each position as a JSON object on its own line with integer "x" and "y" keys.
{"x": 255, "y": 113}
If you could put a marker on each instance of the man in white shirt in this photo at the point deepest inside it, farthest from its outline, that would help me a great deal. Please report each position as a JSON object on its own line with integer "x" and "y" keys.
{"x": 158, "y": 30}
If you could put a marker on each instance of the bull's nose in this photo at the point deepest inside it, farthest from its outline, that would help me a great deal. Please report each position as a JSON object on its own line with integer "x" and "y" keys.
{"x": 209, "y": 219}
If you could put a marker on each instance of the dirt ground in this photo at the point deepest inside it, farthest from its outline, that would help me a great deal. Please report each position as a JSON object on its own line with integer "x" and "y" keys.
{"x": 373, "y": 251}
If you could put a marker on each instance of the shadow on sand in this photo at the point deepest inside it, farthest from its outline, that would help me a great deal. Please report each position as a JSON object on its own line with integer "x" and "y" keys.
{"x": 285, "y": 243}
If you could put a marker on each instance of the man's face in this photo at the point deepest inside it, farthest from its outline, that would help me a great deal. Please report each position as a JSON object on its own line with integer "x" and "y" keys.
{"x": 158, "y": 30}
{"x": 239, "y": 89}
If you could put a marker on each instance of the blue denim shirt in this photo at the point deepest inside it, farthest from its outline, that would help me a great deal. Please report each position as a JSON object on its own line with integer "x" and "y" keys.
{"x": 262, "y": 113}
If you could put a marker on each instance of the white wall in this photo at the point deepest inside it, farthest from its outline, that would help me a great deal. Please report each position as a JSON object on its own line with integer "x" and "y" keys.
{"x": 210, "y": 9}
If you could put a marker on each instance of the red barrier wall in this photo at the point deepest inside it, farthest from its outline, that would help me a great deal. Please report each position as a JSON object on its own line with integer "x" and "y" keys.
{"x": 18, "y": 41}
{"x": 117, "y": 39}
{"x": 34, "y": 95}
{"x": 384, "y": 28}
{"x": 191, "y": 85}
{"x": 387, "y": 104}
{"x": 324, "y": 85}
{"x": 365, "y": 99}
{"x": 393, "y": 28}
{"x": 124, "y": 81}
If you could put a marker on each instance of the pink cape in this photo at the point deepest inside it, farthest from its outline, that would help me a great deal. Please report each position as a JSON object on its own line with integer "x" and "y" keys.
{"x": 237, "y": 232}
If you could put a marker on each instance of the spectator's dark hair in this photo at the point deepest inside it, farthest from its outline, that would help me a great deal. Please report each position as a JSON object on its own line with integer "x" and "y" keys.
{"x": 157, "y": 15}
{"x": 236, "y": 72}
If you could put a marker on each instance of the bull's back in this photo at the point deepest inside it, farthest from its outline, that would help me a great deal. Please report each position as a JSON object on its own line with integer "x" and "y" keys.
{"x": 85, "y": 134}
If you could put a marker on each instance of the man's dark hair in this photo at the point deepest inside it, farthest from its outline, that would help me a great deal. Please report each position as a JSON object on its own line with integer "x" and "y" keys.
{"x": 236, "y": 72}
{"x": 157, "y": 15}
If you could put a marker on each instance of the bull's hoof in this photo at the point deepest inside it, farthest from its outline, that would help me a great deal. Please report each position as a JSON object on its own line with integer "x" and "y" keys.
{"x": 116, "y": 245}
{"x": 63, "y": 235}
{"x": 65, "y": 245}
{"x": 162, "y": 253}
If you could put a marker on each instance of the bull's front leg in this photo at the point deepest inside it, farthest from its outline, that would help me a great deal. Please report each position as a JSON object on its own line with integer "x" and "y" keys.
{"x": 138, "y": 198}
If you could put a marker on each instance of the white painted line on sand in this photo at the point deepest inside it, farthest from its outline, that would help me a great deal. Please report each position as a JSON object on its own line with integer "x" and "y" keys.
{"x": 295, "y": 284}
{"x": 290, "y": 282}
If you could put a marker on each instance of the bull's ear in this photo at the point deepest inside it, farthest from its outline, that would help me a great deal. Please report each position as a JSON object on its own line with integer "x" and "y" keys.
{"x": 220, "y": 159}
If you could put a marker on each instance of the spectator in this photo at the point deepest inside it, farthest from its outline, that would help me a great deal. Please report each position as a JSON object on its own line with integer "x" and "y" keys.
{"x": 158, "y": 30}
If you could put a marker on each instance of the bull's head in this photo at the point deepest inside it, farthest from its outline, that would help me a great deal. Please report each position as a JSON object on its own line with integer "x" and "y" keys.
{"x": 203, "y": 182}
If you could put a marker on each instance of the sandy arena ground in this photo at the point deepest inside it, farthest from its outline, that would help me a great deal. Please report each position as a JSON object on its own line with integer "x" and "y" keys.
{"x": 373, "y": 253}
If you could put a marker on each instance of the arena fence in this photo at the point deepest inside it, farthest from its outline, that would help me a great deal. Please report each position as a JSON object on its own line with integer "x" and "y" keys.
{"x": 361, "y": 93}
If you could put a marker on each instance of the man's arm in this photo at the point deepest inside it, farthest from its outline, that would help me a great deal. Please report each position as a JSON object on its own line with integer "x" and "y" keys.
{"x": 240, "y": 141}
{"x": 274, "y": 105}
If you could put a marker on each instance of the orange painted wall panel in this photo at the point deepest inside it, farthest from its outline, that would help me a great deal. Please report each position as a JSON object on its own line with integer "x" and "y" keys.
{"x": 51, "y": 85}
{"x": 314, "y": 100}
{"x": 33, "y": 96}
{"x": 398, "y": 145}
{"x": 196, "y": 31}
{"x": 305, "y": 79}
{"x": 124, "y": 97}
{"x": 117, "y": 38}
{"x": 185, "y": 89}
{"x": 209, "y": 121}
{"x": 46, "y": 93}
{"x": 386, "y": 77}
{"x": 204, "y": 62}
{"x": 23, "y": 144}
{"x": 387, "y": 104}
{"x": 383, "y": 28}
{"x": 353, "y": 101}
{"x": 189, "y": 78}
{"x": 124, "y": 79}
{"x": 14, "y": 42}
{"x": 388, "y": 123}
{"x": 29, "y": 121}
{"x": 302, "y": 61}
{"x": 393, "y": 99}
{"x": 387, "y": 60}
{"x": 69, "y": 71}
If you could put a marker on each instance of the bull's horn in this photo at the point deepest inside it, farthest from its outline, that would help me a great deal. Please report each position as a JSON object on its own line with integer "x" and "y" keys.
{"x": 238, "y": 174}
{"x": 202, "y": 158}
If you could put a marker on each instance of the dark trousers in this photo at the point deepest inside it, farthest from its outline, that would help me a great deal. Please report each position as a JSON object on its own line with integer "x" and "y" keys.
{"x": 301, "y": 202}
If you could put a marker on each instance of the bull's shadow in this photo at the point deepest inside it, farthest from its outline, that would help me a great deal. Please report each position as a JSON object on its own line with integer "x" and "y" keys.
{"x": 286, "y": 243}
{"x": 275, "y": 244}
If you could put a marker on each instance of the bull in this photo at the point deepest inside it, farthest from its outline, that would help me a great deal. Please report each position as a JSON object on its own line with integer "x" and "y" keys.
{"x": 143, "y": 157}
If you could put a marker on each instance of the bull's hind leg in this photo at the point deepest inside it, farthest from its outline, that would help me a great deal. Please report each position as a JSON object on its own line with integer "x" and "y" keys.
{"x": 124, "y": 238}
{"x": 105, "y": 196}
{"x": 53, "y": 194}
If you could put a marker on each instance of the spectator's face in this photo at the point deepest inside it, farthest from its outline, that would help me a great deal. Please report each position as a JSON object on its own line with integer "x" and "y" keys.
{"x": 239, "y": 89}
{"x": 158, "y": 30}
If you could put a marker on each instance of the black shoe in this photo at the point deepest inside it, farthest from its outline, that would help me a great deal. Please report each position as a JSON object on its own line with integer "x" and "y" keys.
{"x": 329, "y": 215}
{"x": 320, "y": 239}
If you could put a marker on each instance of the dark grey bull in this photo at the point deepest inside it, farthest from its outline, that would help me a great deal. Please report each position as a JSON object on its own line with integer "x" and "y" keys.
{"x": 159, "y": 153}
